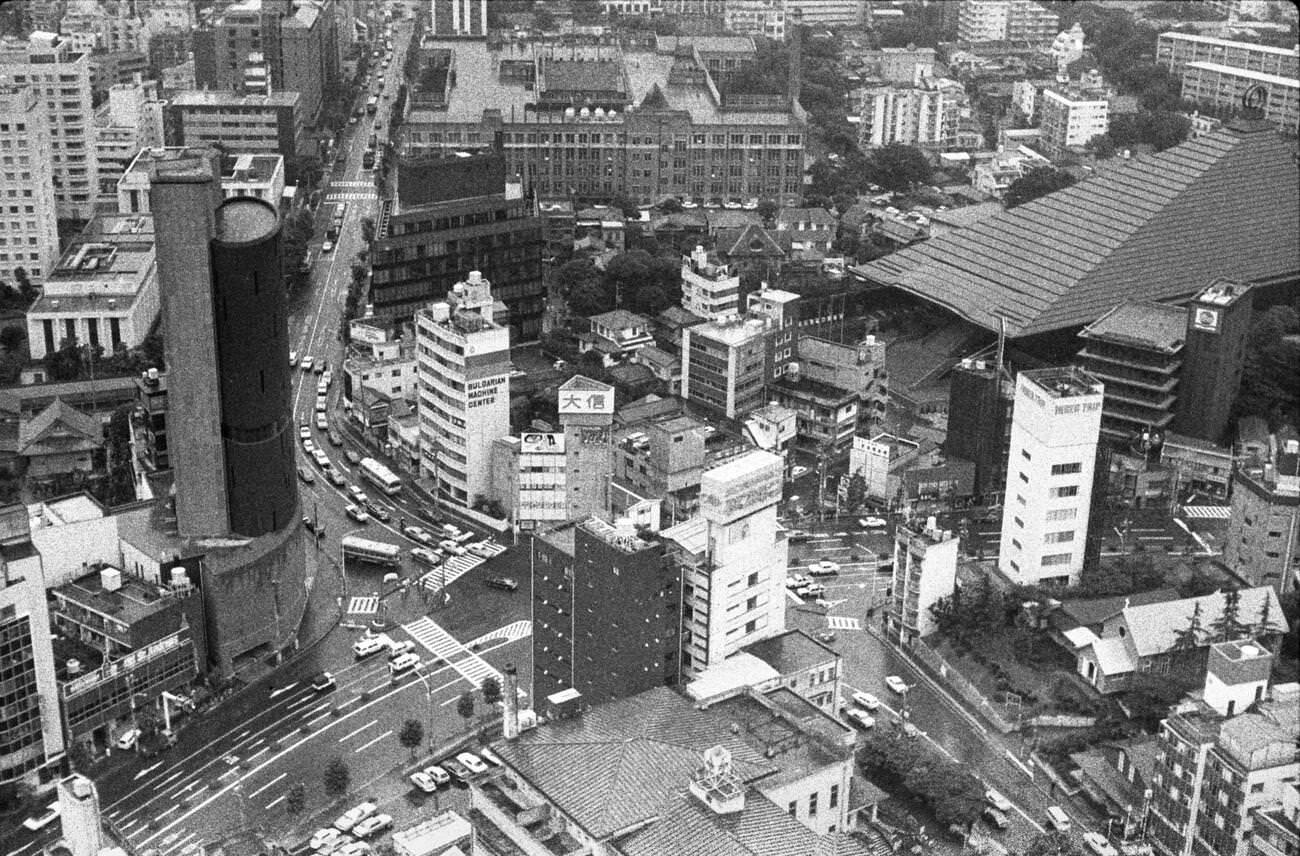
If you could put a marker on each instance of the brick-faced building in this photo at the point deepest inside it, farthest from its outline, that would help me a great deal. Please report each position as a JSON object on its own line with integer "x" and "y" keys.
{"x": 606, "y": 607}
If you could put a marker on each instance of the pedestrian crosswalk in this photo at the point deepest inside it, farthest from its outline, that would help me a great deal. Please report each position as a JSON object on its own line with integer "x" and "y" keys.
{"x": 509, "y": 633}
{"x": 453, "y": 569}
{"x": 352, "y": 184}
{"x": 363, "y": 605}
{"x": 843, "y": 622}
{"x": 492, "y": 548}
{"x": 350, "y": 196}
{"x": 1217, "y": 512}
{"x": 443, "y": 645}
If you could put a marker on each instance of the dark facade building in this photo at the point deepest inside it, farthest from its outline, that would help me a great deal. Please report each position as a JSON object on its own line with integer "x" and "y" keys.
{"x": 606, "y": 612}
{"x": 1136, "y": 350}
{"x": 225, "y": 317}
{"x": 979, "y": 422}
{"x": 1213, "y": 358}
{"x": 453, "y": 216}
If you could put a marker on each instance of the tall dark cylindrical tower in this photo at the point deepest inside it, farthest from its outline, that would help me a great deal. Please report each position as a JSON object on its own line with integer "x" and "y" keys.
{"x": 250, "y": 314}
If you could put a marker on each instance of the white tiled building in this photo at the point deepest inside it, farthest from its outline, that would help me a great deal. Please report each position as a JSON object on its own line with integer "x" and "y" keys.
{"x": 709, "y": 289}
{"x": 464, "y": 382}
{"x": 29, "y": 232}
{"x": 1070, "y": 120}
{"x": 132, "y": 120}
{"x": 62, "y": 76}
{"x": 1055, "y": 424}
{"x": 925, "y": 571}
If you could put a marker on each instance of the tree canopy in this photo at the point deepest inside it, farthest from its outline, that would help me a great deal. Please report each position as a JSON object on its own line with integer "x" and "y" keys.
{"x": 1272, "y": 356}
{"x": 1039, "y": 181}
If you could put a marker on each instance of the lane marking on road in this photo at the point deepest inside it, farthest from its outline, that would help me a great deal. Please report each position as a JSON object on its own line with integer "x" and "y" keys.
{"x": 146, "y": 771}
{"x": 307, "y": 699}
{"x": 379, "y": 687}
{"x": 365, "y": 746}
{"x": 180, "y": 842}
{"x": 357, "y": 731}
{"x": 26, "y": 846}
{"x": 164, "y": 813}
{"x": 268, "y": 784}
{"x": 258, "y": 752}
{"x": 273, "y": 803}
{"x": 326, "y": 715}
{"x": 284, "y": 689}
{"x": 169, "y": 779}
{"x": 130, "y": 823}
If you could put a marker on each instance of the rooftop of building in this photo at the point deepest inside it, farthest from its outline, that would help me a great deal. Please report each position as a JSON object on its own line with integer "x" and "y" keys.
{"x": 624, "y": 538}
{"x": 210, "y": 98}
{"x": 621, "y": 770}
{"x": 75, "y": 508}
{"x": 619, "y": 319}
{"x": 792, "y": 652}
{"x": 1228, "y": 43}
{"x": 561, "y": 537}
{"x": 1154, "y": 627}
{"x": 1090, "y": 611}
{"x": 1224, "y": 292}
{"x": 1183, "y": 441}
{"x": 135, "y": 600}
{"x": 817, "y": 216}
{"x": 1247, "y": 73}
{"x": 251, "y": 168}
{"x": 1141, "y": 324}
{"x": 732, "y": 332}
{"x": 1226, "y": 204}
{"x": 741, "y": 669}
{"x": 479, "y": 87}
{"x": 802, "y": 385}
{"x": 1063, "y": 382}
{"x": 104, "y": 267}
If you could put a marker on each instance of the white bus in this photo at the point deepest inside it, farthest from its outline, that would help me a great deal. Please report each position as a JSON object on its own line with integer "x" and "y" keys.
{"x": 380, "y": 476}
{"x": 374, "y": 552}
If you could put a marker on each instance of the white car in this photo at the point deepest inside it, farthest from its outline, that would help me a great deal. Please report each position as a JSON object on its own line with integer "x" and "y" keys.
{"x": 1098, "y": 844}
{"x": 128, "y": 739}
{"x": 425, "y": 556}
{"x": 997, "y": 800}
{"x": 326, "y": 838}
{"x": 304, "y": 432}
{"x": 293, "y": 359}
{"x": 397, "y": 649}
{"x": 322, "y": 459}
{"x": 798, "y": 471}
{"x": 451, "y": 547}
{"x": 423, "y": 781}
{"x": 353, "y": 848}
{"x": 873, "y": 522}
{"x": 472, "y": 762}
{"x": 309, "y": 446}
{"x": 798, "y": 580}
{"x": 897, "y": 684}
{"x": 306, "y": 363}
{"x": 358, "y": 495}
{"x": 824, "y": 568}
{"x": 357, "y": 513}
{"x": 322, "y": 423}
{"x": 813, "y": 590}
{"x": 866, "y": 701}
{"x": 44, "y": 819}
{"x": 402, "y": 663}
{"x": 481, "y": 548}
{"x": 1057, "y": 817}
{"x": 372, "y": 825}
{"x": 354, "y": 815}
{"x": 367, "y": 645}
{"x": 440, "y": 777}
{"x": 860, "y": 718}
{"x": 326, "y": 247}
{"x": 491, "y": 757}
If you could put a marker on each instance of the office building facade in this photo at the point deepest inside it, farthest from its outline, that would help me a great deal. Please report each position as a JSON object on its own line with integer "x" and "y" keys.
{"x": 1055, "y": 424}
{"x": 463, "y": 357}
{"x": 606, "y": 608}
{"x": 452, "y": 216}
{"x": 1263, "y": 540}
{"x": 53, "y": 69}
{"x": 30, "y": 239}
{"x": 1218, "y": 322}
{"x": 925, "y": 571}
{"x": 253, "y": 124}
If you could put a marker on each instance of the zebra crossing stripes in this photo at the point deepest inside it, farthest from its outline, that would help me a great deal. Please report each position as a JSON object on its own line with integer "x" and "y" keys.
{"x": 512, "y": 631}
{"x": 352, "y": 184}
{"x": 363, "y": 605}
{"x": 453, "y": 569}
{"x": 443, "y": 645}
{"x": 1217, "y": 512}
{"x": 350, "y": 196}
{"x": 492, "y": 548}
{"x": 843, "y": 622}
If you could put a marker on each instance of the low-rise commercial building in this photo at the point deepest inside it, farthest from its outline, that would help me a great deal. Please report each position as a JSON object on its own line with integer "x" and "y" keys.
{"x": 1069, "y": 120}
{"x": 530, "y": 478}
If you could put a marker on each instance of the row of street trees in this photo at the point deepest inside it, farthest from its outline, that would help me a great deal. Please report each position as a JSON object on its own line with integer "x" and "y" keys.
{"x": 950, "y": 790}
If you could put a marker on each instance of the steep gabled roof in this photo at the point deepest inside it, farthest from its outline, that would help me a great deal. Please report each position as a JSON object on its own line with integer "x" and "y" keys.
{"x": 82, "y": 429}
{"x": 752, "y": 240}
{"x": 1225, "y": 204}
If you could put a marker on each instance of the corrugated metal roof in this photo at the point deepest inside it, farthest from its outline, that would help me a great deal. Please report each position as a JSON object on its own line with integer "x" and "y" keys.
{"x": 1226, "y": 204}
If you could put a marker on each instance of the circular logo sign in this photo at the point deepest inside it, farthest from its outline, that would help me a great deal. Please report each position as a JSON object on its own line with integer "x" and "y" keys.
{"x": 1255, "y": 97}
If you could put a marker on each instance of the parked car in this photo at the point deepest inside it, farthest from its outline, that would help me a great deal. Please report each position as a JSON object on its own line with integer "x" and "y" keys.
{"x": 358, "y": 514}
{"x": 491, "y": 757}
{"x": 458, "y": 773}
{"x": 798, "y": 471}
{"x": 328, "y": 837}
{"x": 373, "y": 824}
{"x": 423, "y": 781}
{"x": 472, "y": 762}
{"x": 1098, "y": 845}
{"x": 860, "y": 718}
{"x": 897, "y": 684}
{"x": 995, "y": 818}
{"x": 353, "y": 848}
{"x": 293, "y": 359}
{"x": 812, "y": 590}
{"x": 866, "y": 701}
{"x": 873, "y": 522}
{"x": 322, "y": 682}
{"x": 440, "y": 776}
{"x": 128, "y": 739}
{"x": 1057, "y": 817}
{"x": 425, "y": 556}
{"x": 367, "y": 645}
{"x": 824, "y": 568}
{"x": 354, "y": 815}
{"x": 306, "y": 475}
{"x": 798, "y": 580}
{"x": 503, "y": 583}
{"x": 995, "y": 799}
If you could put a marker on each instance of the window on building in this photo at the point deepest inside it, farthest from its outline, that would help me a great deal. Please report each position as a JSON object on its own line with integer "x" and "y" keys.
{"x": 1063, "y": 537}
{"x": 1056, "y": 559}
{"x": 812, "y": 805}
{"x": 1066, "y": 469}
{"x": 1065, "y": 491}
{"x": 834, "y": 801}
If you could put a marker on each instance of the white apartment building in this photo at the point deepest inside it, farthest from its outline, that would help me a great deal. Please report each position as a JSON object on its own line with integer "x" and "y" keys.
{"x": 1069, "y": 120}
{"x": 925, "y": 571}
{"x": 388, "y": 367}
{"x": 104, "y": 291}
{"x": 827, "y": 11}
{"x": 1225, "y": 86}
{"x": 33, "y": 733}
{"x": 927, "y": 113}
{"x": 1005, "y": 20}
{"x": 131, "y": 120}
{"x": 62, "y": 77}
{"x": 1175, "y": 50}
{"x": 734, "y": 557}
{"x": 463, "y": 359}
{"x": 29, "y": 229}
{"x": 1055, "y": 423}
{"x": 709, "y": 289}
{"x": 756, "y": 18}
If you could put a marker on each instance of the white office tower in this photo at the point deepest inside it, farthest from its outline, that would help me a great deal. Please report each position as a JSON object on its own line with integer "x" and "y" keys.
{"x": 79, "y": 815}
{"x": 29, "y": 230}
{"x": 464, "y": 382}
{"x": 1055, "y": 422}
{"x": 925, "y": 572}
{"x": 733, "y": 557}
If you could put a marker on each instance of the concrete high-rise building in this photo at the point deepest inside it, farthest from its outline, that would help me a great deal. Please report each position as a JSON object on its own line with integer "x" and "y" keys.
{"x": 464, "y": 383}
{"x": 1070, "y": 120}
{"x": 979, "y": 422}
{"x": 1225, "y": 86}
{"x": 33, "y": 734}
{"x": 1214, "y": 357}
{"x": 925, "y": 571}
{"x": 1005, "y": 20}
{"x": 459, "y": 17}
{"x": 1136, "y": 350}
{"x": 61, "y": 78}
{"x": 251, "y": 124}
{"x": 926, "y": 112}
{"x": 606, "y": 611}
{"x": 586, "y": 409}
{"x": 1055, "y": 423}
{"x": 1263, "y": 541}
{"x": 1175, "y": 50}
{"x": 710, "y": 289}
{"x": 131, "y": 121}
{"x": 733, "y": 558}
{"x": 31, "y": 234}
{"x": 764, "y": 18}
{"x": 79, "y": 815}
{"x": 231, "y": 436}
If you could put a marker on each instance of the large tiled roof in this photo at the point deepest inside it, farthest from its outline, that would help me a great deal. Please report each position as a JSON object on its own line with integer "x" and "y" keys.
{"x": 1142, "y": 324}
{"x": 1225, "y": 204}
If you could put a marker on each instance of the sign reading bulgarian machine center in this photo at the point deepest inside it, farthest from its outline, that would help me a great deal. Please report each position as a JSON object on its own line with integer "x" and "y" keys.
{"x": 724, "y": 499}
{"x": 484, "y": 391}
